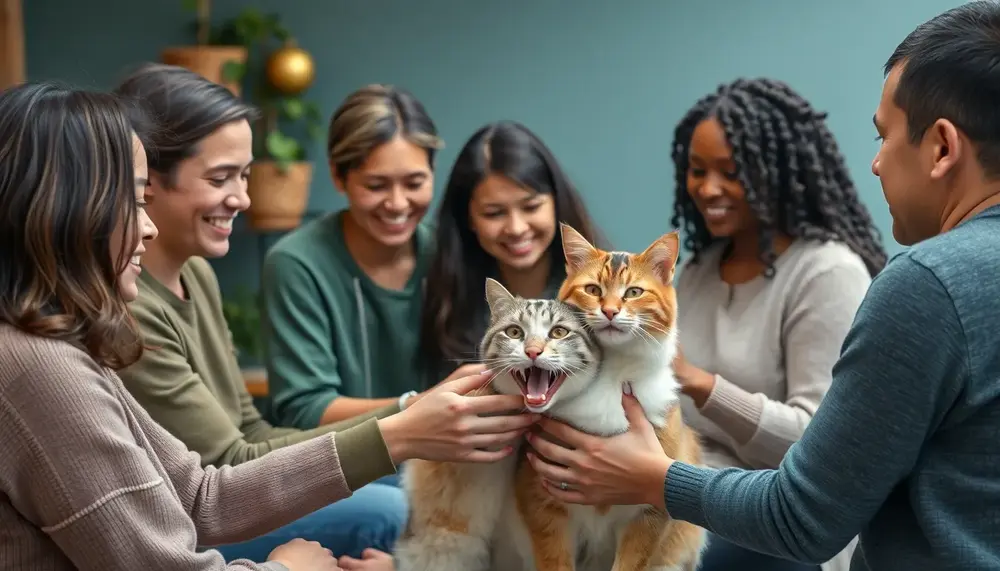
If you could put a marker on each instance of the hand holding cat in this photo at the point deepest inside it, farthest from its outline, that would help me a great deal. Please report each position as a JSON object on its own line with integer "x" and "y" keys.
{"x": 626, "y": 469}
{"x": 371, "y": 560}
{"x": 445, "y": 424}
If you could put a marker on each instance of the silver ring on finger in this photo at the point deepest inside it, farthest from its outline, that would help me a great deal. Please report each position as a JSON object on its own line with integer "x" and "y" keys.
{"x": 563, "y": 486}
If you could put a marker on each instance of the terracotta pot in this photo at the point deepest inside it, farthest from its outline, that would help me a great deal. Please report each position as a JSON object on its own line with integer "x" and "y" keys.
{"x": 278, "y": 199}
{"x": 207, "y": 61}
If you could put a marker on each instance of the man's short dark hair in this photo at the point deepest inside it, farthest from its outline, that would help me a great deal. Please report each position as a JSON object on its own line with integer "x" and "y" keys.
{"x": 951, "y": 70}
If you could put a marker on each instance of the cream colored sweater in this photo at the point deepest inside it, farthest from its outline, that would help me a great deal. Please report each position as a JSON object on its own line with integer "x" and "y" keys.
{"x": 771, "y": 344}
{"x": 89, "y": 481}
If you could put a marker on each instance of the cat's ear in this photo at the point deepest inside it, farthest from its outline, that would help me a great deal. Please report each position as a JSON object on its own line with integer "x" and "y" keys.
{"x": 662, "y": 256}
{"x": 497, "y": 295}
{"x": 577, "y": 250}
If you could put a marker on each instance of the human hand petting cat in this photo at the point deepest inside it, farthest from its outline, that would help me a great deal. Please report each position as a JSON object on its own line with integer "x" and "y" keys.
{"x": 462, "y": 371}
{"x": 371, "y": 560}
{"x": 695, "y": 383}
{"x": 626, "y": 469}
{"x": 446, "y": 424}
{"x": 301, "y": 555}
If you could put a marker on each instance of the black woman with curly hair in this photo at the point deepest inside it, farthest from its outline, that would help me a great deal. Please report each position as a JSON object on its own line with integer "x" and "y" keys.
{"x": 783, "y": 252}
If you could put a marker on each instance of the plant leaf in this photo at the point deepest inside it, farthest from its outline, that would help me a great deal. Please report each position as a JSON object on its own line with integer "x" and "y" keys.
{"x": 233, "y": 71}
{"x": 190, "y": 5}
{"x": 293, "y": 108}
{"x": 312, "y": 111}
{"x": 283, "y": 148}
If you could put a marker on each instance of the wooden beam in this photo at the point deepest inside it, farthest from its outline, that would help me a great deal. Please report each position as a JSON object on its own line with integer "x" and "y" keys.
{"x": 11, "y": 43}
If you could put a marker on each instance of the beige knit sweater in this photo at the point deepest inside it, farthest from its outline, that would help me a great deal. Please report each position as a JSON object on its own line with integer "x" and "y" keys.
{"x": 89, "y": 481}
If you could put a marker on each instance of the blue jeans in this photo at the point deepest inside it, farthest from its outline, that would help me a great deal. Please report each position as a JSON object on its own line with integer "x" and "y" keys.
{"x": 722, "y": 555}
{"x": 373, "y": 517}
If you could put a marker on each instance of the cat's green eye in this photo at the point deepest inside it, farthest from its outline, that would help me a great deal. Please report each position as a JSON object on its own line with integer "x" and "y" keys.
{"x": 558, "y": 332}
{"x": 594, "y": 290}
{"x": 514, "y": 332}
{"x": 633, "y": 292}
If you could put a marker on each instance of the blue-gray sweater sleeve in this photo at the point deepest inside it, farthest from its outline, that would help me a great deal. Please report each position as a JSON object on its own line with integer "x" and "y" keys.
{"x": 891, "y": 387}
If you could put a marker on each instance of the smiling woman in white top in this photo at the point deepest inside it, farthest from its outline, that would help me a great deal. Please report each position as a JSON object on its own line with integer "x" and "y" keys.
{"x": 783, "y": 251}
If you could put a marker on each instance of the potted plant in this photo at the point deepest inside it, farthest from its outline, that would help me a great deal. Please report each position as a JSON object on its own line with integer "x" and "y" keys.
{"x": 242, "y": 313}
{"x": 281, "y": 175}
{"x": 210, "y": 57}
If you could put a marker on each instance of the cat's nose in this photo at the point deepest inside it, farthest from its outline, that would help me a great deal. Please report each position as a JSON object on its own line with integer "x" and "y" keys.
{"x": 532, "y": 352}
{"x": 610, "y": 312}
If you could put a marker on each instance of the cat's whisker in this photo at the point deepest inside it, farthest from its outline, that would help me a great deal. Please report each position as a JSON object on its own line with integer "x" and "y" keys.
{"x": 654, "y": 326}
{"x": 641, "y": 331}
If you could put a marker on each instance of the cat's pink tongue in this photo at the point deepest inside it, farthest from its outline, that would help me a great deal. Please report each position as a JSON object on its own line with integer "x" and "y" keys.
{"x": 538, "y": 386}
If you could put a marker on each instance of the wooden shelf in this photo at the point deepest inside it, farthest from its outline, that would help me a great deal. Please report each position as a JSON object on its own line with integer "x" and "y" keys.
{"x": 256, "y": 382}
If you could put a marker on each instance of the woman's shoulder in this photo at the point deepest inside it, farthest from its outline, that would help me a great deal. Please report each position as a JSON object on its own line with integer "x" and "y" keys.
{"x": 813, "y": 258}
{"x": 706, "y": 266}
{"x": 44, "y": 369}
{"x": 314, "y": 249}
{"x": 311, "y": 241}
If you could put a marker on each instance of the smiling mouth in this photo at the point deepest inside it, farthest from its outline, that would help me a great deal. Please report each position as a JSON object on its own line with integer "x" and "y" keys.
{"x": 537, "y": 385}
{"x": 220, "y": 222}
{"x": 394, "y": 220}
{"x": 519, "y": 248}
{"x": 716, "y": 211}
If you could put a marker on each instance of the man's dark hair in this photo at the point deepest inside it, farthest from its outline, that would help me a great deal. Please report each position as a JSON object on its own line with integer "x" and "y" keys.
{"x": 951, "y": 70}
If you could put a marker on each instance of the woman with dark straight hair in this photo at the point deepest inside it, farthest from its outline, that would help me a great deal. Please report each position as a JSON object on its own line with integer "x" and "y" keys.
{"x": 498, "y": 218}
{"x": 88, "y": 479}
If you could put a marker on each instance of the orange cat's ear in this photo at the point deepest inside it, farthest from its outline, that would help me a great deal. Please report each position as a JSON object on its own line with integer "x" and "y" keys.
{"x": 497, "y": 295}
{"x": 662, "y": 256}
{"x": 576, "y": 248}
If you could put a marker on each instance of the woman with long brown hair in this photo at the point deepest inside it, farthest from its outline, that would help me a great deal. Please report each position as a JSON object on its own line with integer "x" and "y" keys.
{"x": 87, "y": 479}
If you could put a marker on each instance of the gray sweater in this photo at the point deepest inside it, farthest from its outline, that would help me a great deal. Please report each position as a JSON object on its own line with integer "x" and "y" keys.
{"x": 771, "y": 343}
{"x": 89, "y": 481}
{"x": 904, "y": 447}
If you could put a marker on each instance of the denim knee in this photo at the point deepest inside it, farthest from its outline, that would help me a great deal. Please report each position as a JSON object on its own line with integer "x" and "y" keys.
{"x": 373, "y": 517}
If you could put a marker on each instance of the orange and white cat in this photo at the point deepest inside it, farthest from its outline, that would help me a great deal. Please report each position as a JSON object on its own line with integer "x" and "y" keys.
{"x": 614, "y": 322}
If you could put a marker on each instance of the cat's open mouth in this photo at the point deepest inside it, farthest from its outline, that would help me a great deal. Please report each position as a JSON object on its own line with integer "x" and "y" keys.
{"x": 537, "y": 385}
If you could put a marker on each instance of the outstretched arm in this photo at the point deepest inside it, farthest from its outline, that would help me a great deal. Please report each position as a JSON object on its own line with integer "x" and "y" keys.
{"x": 894, "y": 381}
{"x": 92, "y": 471}
{"x": 900, "y": 371}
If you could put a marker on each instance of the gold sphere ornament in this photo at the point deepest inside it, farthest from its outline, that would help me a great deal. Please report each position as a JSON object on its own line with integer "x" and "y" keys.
{"x": 290, "y": 69}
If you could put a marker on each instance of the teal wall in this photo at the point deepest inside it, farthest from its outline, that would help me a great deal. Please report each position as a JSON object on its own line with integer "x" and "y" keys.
{"x": 603, "y": 83}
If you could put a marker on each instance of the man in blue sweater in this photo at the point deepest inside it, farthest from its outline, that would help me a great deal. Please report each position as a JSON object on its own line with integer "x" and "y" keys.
{"x": 905, "y": 448}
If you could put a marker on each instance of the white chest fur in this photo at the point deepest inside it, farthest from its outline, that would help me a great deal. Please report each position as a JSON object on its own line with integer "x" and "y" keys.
{"x": 598, "y": 411}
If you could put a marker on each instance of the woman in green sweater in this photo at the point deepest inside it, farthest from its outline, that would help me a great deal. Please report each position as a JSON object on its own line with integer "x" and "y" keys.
{"x": 190, "y": 381}
{"x": 343, "y": 293}
{"x": 499, "y": 218}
